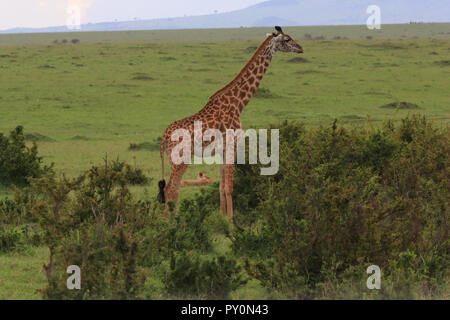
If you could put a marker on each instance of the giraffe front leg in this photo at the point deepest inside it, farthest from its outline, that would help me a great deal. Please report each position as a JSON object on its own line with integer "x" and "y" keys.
{"x": 223, "y": 199}
{"x": 176, "y": 174}
{"x": 228, "y": 173}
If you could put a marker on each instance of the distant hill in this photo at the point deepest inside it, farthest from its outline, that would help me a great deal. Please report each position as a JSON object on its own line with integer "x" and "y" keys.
{"x": 285, "y": 13}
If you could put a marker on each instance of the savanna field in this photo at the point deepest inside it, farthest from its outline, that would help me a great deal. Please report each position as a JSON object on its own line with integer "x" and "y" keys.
{"x": 365, "y": 153}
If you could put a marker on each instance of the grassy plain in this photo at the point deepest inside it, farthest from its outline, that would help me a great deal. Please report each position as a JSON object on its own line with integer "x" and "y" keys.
{"x": 83, "y": 101}
{"x": 353, "y": 32}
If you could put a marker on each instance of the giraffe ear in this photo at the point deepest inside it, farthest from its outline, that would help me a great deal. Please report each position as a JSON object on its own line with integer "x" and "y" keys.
{"x": 269, "y": 34}
{"x": 278, "y": 38}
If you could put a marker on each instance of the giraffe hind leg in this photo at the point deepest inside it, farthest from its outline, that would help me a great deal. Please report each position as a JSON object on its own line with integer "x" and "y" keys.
{"x": 223, "y": 207}
{"x": 228, "y": 188}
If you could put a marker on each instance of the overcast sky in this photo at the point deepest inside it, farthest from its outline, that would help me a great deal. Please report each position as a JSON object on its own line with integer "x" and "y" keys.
{"x": 45, "y": 13}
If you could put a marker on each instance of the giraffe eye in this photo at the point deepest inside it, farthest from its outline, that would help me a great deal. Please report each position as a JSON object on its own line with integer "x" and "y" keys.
{"x": 287, "y": 40}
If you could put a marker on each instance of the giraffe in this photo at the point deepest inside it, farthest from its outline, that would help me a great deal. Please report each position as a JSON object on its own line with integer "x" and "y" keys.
{"x": 222, "y": 112}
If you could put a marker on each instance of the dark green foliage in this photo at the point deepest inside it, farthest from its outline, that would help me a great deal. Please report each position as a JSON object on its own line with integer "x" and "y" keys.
{"x": 17, "y": 211}
{"x": 345, "y": 199}
{"x": 102, "y": 240}
{"x": 375, "y": 150}
{"x": 201, "y": 276}
{"x": 14, "y": 238}
{"x": 18, "y": 228}
{"x": 93, "y": 222}
{"x": 134, "y": 176}
{"x": 18, "y": 161}
{"x": 189, "y": 231}
{"x": 9, "y": 239}
{"x": 195, "y": 271}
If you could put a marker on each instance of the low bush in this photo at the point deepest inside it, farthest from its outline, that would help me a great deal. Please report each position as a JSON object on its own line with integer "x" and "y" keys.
{"x": 149, "y": 146}
{"x": 93, "y": 222}
{"x": 192, "y": 274}
{"x": 19, "y": 238}
{"x": 342, "y": 200}
{"x": 9, "y": 239}
{"x": 18, "y": 162}
{"x": 345, "y": 199}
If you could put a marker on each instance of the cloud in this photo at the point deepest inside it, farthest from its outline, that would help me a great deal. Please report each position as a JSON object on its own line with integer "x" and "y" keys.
{"x": 80, "y": 3}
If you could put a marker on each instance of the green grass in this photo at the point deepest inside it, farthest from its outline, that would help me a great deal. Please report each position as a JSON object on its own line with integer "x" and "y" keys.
{"x": 87, "y": 100}
{"x": 103, "y": 93}
{"x": 21, "y": 275}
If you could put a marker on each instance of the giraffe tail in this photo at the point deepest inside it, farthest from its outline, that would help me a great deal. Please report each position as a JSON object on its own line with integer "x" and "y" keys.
{"x": 162, "y": 182}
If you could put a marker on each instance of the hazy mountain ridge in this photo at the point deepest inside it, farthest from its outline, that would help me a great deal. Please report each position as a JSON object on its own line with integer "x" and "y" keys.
{"x": 284, "y": 12}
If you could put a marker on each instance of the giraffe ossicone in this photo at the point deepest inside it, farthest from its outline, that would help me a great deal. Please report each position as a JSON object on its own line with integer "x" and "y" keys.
{"x": 220, "y": 114}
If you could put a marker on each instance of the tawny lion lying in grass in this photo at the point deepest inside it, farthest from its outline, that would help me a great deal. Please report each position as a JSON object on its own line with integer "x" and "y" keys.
{"x": 202, "y": 179}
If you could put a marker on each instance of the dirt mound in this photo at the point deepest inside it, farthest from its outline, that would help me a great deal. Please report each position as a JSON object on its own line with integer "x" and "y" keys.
{"x": 400, "y": 105}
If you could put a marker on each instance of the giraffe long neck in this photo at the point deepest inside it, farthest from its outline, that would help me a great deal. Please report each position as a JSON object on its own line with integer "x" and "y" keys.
{"x": 241, "y": 89}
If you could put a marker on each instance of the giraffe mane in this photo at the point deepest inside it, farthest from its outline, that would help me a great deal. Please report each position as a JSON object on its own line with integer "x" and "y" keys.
{"x": 253, "y": 58}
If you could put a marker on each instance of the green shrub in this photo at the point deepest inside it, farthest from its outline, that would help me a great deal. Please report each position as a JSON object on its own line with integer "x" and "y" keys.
{"x": 192, "y": 274}
{"x": 9, "y": 239}
{"x": 189, "y": 230}
{"x": 344, "y": 199}
{"x": 18, "y": 162}
{"x": 107, "y": 257}
{"x": 91, "y": 221}
{"x": 134, "y": 176}
{"x": 17, "y": 211}
{"x": 14, "y": 238}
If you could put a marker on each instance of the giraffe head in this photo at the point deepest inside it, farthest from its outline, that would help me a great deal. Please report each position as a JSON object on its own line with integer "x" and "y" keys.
{"x": 284, "y": 42}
